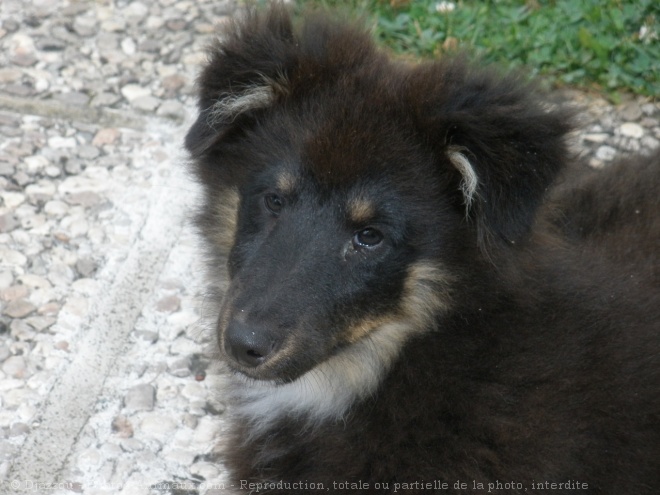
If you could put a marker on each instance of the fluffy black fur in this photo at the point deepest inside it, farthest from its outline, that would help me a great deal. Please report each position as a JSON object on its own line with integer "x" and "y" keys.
{"x": 408, "y": 304}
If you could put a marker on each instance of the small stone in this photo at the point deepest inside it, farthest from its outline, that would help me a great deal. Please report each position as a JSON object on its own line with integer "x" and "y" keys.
{"x": 12, "y": 199}
{"x": 18, "y": 429}
{"x": 205, "y": 28}
{"x": 7, "y": 223}
{"x": 147, "y": 336}
{"x": 33, "y": 222}
{"x": 110, "y": 22}
{"x": 154, "y": 22}
{"x": 648, "y": 109}
{"x": 49, "y": 309}
{"x": 140, "y": 398}
{"x": 105, "y": 100}
{"x": 85, "y": 27}
{"x": 21, "y": 90}
{"x": 172, "y": 109}
{"x": 179, "y": 456}
{"x": 78, "y": 184}
{"x": 40, "y": 323}
{"x": 122, "y": 426}
{"x": 75, "y": 98}
{"x": 169, "y": 304}
{"x": 204, "y": 470}
{"x": 6, "y": 279}
{"x": 4, "y": 352}
{"x": 14, "y": 292}
{"x": 631, "y": 111}
{"x": 190, "y": 421}
{"x": 21, "y": 50}
{"x": 146, "y": 103}
{"x": 599, "y": 137}
{"x": 74, "y": 226}
{"x": 606, "y": 153}
{"x": 136, "y": 10}
{"x": 631, "y": 130}
{"x": 86, "y": 266}
{"x": 157, "y": 425}
{"x": 62, "y": 237}
{"x": 128, "y": 46}
{"x": 134, "y": 91}
{"x": 10, "y": 75}
{"x": 41, "y": 297}
{"x": 40, "y": 192}
{"x": 11, "y": 257}
{"x": 59, "y": 142}
{"x": 194, "y": 391}
{"x": 76, "y": 306}
{"x": 26, "y": 412}
{"x": 62, "y": 345}
{"x": 207, "y": 431}
{"x": 19, "y": 308}
{"x": 35, "y": 163}
{"x": 21, "y": 178}
{"x": 150, "y": 46}
{"x": 53, "y": 171}
{"x": 56, "y": 208}
{"x": 86, "y": 286}
{"x": 50, "y": 45}
{"x": 184, "y": 346}
{"x": 89, "y": 459}
{"x": 15, "y": 367}
{"x": 176, "y": 24}
{"x": 650, "y": 142}
{"x": 21, "y": 331}
{"x": 106, "y": 136}
{"x": 84, "y": 198}
{"x": 131, "y": 444}
{"x": 6, "y": 169}
{"x": 34, "y": 282}
{"x": 180, "y": 367}
{"x": 88, "y": 152}
{"x": 649, "y": 122}
{"x": 214, "y": 406}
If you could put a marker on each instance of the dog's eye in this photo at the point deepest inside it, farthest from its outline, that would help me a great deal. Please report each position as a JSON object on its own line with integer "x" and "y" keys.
{"x": 368, "y": 237}
{"x": 273, "y": 203}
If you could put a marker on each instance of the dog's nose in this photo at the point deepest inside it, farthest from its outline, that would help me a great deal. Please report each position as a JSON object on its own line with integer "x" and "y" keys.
{"x": 249, "y": 344}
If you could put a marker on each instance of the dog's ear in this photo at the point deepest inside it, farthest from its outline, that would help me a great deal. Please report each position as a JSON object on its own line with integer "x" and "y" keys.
{"x": 246, "y": 73}
{"x": 499, "y": 135}
{"x": 264, "y": 58}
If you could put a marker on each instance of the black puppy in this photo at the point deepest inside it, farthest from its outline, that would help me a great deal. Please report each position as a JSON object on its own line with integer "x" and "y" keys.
{"x": 408, "y": 309}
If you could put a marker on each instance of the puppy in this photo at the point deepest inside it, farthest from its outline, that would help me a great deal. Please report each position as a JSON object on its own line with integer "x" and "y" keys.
{"x": 409, "y": 308}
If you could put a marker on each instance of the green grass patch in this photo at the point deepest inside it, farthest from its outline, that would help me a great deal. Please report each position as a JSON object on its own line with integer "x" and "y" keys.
{"x": 610, "y": 46}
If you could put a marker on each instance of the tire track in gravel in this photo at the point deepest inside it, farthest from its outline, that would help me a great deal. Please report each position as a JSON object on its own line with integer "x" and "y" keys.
{"x": 129, "y": 280}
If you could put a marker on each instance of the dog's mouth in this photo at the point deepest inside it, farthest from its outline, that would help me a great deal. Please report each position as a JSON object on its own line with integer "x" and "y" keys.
{"x": 275, "y": 374}
{"x": 255, "y": 354}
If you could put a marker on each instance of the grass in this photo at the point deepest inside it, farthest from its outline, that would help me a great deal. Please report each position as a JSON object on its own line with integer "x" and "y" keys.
{"x": 611, "y": 46}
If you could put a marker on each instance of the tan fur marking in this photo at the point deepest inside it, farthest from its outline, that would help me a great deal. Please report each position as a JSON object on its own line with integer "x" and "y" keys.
{"x": 426, "y": 292}
{"x": 360, "y": 210}
{"x": 226, "y": 213}
{"x": 286, "y": 182}
{"x": 326, "y": 391}
{"x": 230, "y": 105}
{"x": 329, "y": 389}
{"x": 364, "y": 327}
{"x": 470, "y": 180}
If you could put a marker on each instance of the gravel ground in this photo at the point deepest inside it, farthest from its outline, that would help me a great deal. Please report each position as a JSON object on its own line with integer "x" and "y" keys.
{"x": 104, "y": 386}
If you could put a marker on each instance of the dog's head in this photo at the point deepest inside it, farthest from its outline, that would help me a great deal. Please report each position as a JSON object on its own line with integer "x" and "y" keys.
{"x": 351, "y": 192}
